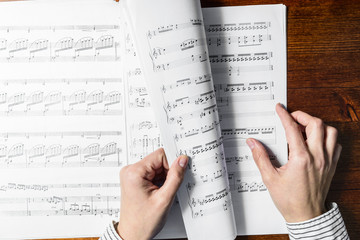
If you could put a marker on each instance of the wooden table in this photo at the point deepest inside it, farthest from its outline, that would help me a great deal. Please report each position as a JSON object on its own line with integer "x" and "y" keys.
{"x": 324, "y": 80}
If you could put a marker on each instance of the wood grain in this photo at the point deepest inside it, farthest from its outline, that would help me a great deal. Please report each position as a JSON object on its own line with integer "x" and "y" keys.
{"x": 324, "y": 80}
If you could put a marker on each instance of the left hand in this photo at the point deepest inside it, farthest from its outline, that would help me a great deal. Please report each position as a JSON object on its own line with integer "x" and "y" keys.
{"x": 144, "y": 202}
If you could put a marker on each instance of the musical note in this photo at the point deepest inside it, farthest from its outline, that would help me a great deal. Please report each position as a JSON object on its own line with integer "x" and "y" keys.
{"x": 183, "y": 46}
{"x": 239, "y": 41}
{"x": 233, "y": 27}
{"x": 56, "y": 103}
{"x": 62, "y": 206}
{"x": 195, "y": 58}
{"x": 104, "y": 48}
{"x": 174, "y": 27}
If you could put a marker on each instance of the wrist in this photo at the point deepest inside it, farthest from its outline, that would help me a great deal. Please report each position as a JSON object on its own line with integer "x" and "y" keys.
{"x": 305, "y": 214}
{"x": 128, "y": 232}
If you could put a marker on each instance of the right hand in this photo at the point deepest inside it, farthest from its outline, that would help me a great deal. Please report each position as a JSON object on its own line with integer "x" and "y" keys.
{"x": 299, "y": 188}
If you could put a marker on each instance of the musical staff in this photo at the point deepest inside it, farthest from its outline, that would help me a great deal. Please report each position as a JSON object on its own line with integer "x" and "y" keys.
{"x": 174, "y": 27}
{"x": 234, "y": 27}
{"x": 58, "y": 155}
{"x": 61, "y": 206}
{"x": 239, "y": 41}
{"x": 60, "y": 149}
{"x": 45, "y": 81}
{"x": 197, "y": 114}
{"x": 237, "y": 137}
{"x": 240, "y": 184}
{"x": 40, "y": 103}
{"x": 199, "y": 99}
{"x": 195, "y": 58}
{"x": 186, "y": 82}
{"x": 236, "y": 71}
{"x": 243, "y": 57}
{"x": 183, "y": 46}
{"x": 14, "y": 187}
{"x": 197, "y": 131}
{"x": 85, "y": 28}
{"x": 103, "y": 48}
{"x": 144, "y": 138}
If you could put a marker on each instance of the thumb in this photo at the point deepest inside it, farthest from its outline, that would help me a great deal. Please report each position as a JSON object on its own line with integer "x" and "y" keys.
{"x": 174, "y": 178}
{"x": 261, "y": 159}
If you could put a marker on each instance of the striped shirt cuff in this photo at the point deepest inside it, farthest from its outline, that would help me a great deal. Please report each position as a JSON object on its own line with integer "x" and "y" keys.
{"x": 329, "y": 225}
{"x": 110, "y": 233}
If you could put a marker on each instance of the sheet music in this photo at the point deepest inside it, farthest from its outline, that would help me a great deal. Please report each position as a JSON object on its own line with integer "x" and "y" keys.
{"x": 62, "y": 112}
{"x": 143, "y": 133}
{"x": 173, "y": 52}
{"x": 75, "y": 108}
{"x": 247, "y": 52}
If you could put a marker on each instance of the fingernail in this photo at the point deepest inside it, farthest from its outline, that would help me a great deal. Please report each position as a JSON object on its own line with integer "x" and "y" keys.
{"x": 250, "y": 143}
{"x": 183, "y": 161}
{"x": 283, "y": 106}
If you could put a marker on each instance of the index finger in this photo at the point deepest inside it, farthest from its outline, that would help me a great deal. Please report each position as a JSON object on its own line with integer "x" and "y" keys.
{"x": 152, "y": 164}
{"x": 293, "y": 133}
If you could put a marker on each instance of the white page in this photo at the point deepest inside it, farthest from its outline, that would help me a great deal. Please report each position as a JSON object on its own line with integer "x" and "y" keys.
{"x": 143, "y": 134}
{"x": 171, "y": 43}
{"x": 62, "y": 131}
{"x": 247, "y": 51}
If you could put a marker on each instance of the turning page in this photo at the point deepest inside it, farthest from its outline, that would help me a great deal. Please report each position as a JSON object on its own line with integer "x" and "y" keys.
{"x": 172, "y": 47}
{"x": 247, "y": 51}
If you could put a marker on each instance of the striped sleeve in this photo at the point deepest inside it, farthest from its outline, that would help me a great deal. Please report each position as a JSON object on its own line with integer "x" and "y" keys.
{"x": 110, "y": 233}
{"x": 329, "y": 225}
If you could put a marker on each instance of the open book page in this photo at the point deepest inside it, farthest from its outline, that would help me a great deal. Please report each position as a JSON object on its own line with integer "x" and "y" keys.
{"x": 247, "y": 51}
{"x": 143, "y": 133}
{"x": 172, "y": 46}
{"x": 62, "y": 131}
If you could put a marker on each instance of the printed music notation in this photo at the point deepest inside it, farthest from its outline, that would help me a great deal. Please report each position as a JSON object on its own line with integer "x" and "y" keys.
{"x": 195, "y": 58}
{"x": 80, "y": 134}
{"x": 199, "y": 99}
{"x": 186, "y": 82}
{"x": 60, "y": 149}
{"x": 104, "y": 48}
{"x": 197, "y": 114}
{"x": 45, "y": 81}
{"x": 174, "y": 27}
{"x": 138, "y": 97}
{"x": 241, "y": 184}
{"x": 239, "y": 41}
{"x": 229, "y": 93}
{"x": 236, "y": 71}
{"x": 251, "y": 87}
{"x": 200, "y": 162}
{"x": 205, "y": 211}
{"x": 14, "y": 187}
{"x": 208, "y": 204}
{"x": 233, "y": 27}
{"x": 80, "y": 102}
{"x": 85, "y": 28}
{"x": 194, "y": 202}
{"x": 242, "y": 57}
{"x": 237, "y": 137}
{"x": 59, "y": 155}
{"x": 197, "y": 131}
{"x": 144, "y": 139}
{"x": 201, "y": 148}
{"x": 183, "y": 46}
{"x": 96, "y": 205}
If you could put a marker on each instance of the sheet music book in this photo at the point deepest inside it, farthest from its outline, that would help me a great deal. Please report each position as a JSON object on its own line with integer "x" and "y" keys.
{"x": 89, "y": 87}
